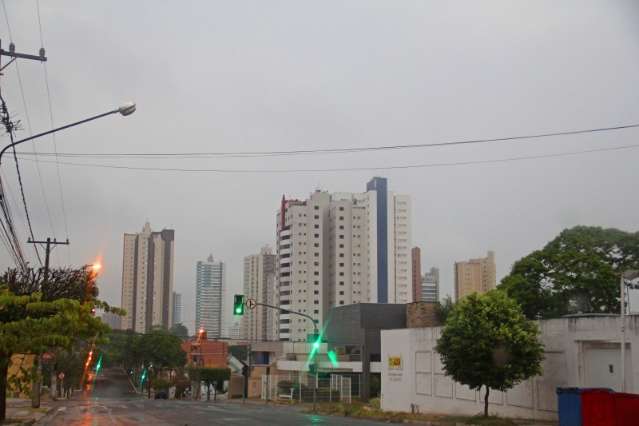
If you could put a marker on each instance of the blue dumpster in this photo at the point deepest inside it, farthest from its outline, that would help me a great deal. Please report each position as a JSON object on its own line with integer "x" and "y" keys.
{"x": 569, "y": 402}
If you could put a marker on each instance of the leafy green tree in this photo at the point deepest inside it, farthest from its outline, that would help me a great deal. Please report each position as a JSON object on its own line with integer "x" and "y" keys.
{"x": 162, "y": 349}
{"x": 578, "y": 271}
{"x": 488, "y": 342}
{"x": 179, "y": 330}
{"x": 214, "y": 377}
{"x": 443, "y": 309}
{"x": 28, "y": 324}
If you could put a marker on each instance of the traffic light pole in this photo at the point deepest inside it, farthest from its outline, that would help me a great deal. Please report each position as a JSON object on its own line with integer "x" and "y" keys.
{"x": 315, "y": 332}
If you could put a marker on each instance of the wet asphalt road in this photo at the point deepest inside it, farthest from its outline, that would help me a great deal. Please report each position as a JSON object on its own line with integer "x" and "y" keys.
{"x": 113, "y": 402}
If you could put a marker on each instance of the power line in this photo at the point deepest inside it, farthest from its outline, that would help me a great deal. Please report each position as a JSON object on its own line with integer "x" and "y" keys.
{"x": 351, "y": 169}
{"x": 53, "y": 135}
{"x": 346, "y": 150}
{"x": 10, "y": 128}
{"x": 33, "y": 148}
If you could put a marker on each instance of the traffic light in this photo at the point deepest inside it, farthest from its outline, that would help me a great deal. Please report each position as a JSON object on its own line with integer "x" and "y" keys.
{"x": 98, "y": 365}
{"x": 238, "y": 304}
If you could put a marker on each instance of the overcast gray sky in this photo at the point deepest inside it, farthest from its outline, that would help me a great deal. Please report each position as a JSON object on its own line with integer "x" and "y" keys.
{"x": 278, "y": 75}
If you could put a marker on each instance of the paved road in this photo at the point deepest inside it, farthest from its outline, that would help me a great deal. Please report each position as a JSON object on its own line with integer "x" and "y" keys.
{"x": 112, "y": 403}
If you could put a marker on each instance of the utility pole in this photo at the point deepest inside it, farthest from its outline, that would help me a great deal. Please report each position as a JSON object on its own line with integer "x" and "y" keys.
{"x": 48, "y": 246}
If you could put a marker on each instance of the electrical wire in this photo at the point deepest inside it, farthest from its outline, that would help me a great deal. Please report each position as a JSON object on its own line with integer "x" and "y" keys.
{"x": 242, "y": 154}
{"x": 351, "y": 169}
{"x": 34, "y": 150}
{"x": 10, "y": 128}
{"x": 53, "y": 135}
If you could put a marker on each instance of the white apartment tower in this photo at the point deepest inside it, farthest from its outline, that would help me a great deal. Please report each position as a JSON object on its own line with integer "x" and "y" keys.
{"x": 259, "y": 285}
{"x": 147, "y": 279}
{"x": 209, "y": 295}
{"x": 339, "y": 249}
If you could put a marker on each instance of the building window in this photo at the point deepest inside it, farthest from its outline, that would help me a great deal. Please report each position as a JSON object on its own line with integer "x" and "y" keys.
{"x": 341, "y": 265}
{"x": 341, "y": 218}
{"x": 316, "y": 216}
{"x": 316, "y": 292}
{"x": 341, "y": 283}
{"x": 316, "y": 226}
{"x": 316, "y": 235}
{"x": 341, "y": 293}
{"x": 341, "y": 236}
{"x": 316, "y": 302}
{"x": 341, "y": 227}
{"x": 316, "y": 282}
{"x": 316, "y": 207}
{"x": 341, "y": 208}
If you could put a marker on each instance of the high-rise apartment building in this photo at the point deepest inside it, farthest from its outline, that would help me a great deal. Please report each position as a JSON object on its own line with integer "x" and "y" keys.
{"x": 209, "y": 295}
{"x": 328, "y": 254}
{"x": 475, "y": 276}
{"x": 259, "y": 285}
{"x": 147, "y": 279}
{"x": 177, "y": 308}
{"x": 416, "y": 257}
{"x": 430, "y": 286}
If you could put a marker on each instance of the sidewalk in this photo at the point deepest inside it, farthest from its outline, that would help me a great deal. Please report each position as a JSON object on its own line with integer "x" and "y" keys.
{"x": 19, "y": 411}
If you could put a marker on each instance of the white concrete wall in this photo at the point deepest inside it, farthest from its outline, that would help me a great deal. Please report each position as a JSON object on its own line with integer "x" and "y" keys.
{"x": 578, "y": 352}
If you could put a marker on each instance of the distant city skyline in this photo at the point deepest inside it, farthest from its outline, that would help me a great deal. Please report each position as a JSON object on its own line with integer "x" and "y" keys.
{"x": 359, "y": 87}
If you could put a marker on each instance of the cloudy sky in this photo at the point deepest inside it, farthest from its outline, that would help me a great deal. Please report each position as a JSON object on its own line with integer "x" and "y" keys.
{"x": 215, "y": 76}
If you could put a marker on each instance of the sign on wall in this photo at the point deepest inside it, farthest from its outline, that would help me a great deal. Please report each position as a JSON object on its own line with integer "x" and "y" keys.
{"x": 395, "y": 362}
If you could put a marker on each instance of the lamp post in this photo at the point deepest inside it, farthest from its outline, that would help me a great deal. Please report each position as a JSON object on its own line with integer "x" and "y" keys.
{"x": 124, "y": 110}
{"x": 626, "y": 275}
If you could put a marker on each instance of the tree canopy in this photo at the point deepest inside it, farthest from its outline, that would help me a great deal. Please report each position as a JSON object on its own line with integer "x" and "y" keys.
{"x": 488, "y": 342}
{"x": 578, "y": 271}
{"x": 179, "y": 330}
{"x": 39, "y": 313}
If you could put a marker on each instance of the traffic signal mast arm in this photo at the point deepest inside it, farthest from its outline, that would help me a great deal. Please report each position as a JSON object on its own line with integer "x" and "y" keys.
{"x": 286, "y": 311}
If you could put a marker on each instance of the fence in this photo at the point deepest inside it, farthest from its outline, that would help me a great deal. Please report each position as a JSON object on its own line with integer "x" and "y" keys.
{"x": 300, "y": 388}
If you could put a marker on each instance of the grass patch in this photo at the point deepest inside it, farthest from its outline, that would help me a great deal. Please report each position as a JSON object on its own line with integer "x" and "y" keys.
{"x": 373, "y": 412}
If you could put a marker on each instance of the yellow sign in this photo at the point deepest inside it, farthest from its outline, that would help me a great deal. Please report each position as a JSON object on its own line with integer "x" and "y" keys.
{"x": 395, "y": 362}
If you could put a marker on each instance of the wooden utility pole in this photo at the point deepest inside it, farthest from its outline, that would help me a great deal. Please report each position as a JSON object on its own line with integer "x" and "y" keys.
{"x": 49, "y": 245}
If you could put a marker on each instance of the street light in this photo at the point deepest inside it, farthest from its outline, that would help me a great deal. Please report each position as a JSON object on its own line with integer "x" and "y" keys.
{"x": 124, "y": 110}
{"x": 626, "y": 275}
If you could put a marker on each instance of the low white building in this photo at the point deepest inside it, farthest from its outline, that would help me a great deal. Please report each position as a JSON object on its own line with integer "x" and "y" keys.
{"x": 580, "y": 351}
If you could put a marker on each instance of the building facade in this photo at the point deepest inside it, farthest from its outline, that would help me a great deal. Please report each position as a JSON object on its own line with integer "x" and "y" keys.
{"x": 328, "y": 254}
{"x": 177, "y": 308}
{"x": 147, "y": 279}
{"x": 259, "y": 285}
{"x": 416, "y": 257}
{"x": 475, "y": 276}
{"x": 209, "y": 297}
{"x": 581, "y": 351}
{"x": 430, "y": 286}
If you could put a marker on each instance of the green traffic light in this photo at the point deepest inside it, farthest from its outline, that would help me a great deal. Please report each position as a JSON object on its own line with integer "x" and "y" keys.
{"x": 238, "y": 304}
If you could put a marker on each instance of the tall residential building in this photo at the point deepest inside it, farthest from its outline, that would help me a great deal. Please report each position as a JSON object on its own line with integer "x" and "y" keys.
{"x": 259, "y": 285}
{"x": 177, "y": 308}
{"x": 209, "y": 295}
{"x": 475, "y": 276}
{"x": 147, "y": 279}
{"x": 328, "y": 249}
{"x": 430, "y": 286}
{"x": 416, "y": 258}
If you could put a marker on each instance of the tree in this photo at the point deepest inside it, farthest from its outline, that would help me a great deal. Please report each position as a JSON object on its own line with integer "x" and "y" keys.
{"x": 30, "y": 325}
{"x": 179, "y": 330}
{"x": 488, "y": 342}
{"x": 443, "y": 309}
{"x": 215, "y": 377}
{"x": 578, "y": 271}
{"x": 39, "y": 314}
